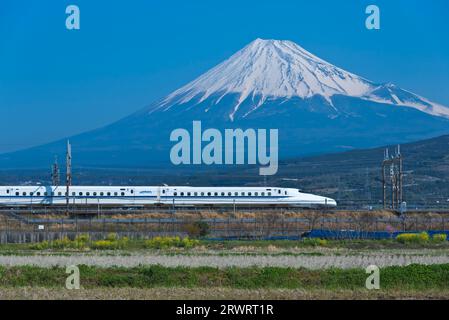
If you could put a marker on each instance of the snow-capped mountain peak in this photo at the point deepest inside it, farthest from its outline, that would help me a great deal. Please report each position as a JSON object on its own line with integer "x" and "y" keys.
{"x": 270, "y": 69}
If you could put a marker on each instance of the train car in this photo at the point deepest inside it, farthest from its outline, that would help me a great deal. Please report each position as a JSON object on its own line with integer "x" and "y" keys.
{"x": 160, "y": 195}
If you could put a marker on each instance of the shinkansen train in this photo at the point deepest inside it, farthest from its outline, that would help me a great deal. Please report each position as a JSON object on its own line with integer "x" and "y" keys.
{"x": 160, "y": 195}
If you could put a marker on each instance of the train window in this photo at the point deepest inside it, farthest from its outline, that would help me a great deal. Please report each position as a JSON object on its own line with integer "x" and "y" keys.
{"x": 17, "y": 193}
{"x": 87, "y": 193}
{"x": 52, "y": 193}
{"x": 236, "y": 194}
{"x": 132, "y": 191}
{"x": 188, "y": 193}
{"x": 202, "y": 193}
{"x": 208, "y": 193}
{"x": 279, "y": 191}
{"x": 249, "y": 193}
{"x": 269, "y": 193}
{"x": 262, "y": 194}
{"x": 7, "y": 191}
{"x": 243, "y": 194}
{"x": 31, "y": 193}
{"x": 24, "y": 193}
{"x": 65, "y": 193}
{"x": 222, "y": 193}
{"x": 182, "y": 193}
{"x": 80, "y": 193}
{"x": 285, "y": 192}
{"x": 195, "y": 194}
{"x": 175, "y": 194}
{"x": 256, "y": 193}
{"x": 229, "y": 193}
{"x": 101, "y": 193}
{"x": 123, "y": 193}
{"x": 95, "y": 193}
{"x": 163, "y": 191}
{"x": 73, "y": 193}
{"x": 38, "y": 194}
{"x": 45, "y": 193}
{"x": 215, "y": 193}
{"x": 115, "y": 194}
{"x": 108, "y": 193}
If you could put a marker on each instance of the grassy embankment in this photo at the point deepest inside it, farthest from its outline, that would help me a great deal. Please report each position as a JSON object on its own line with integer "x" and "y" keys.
{"x": 412, "y": 277}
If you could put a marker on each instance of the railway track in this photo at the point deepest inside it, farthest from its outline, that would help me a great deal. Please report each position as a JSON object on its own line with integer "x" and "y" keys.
{"x": 114, "y": 213}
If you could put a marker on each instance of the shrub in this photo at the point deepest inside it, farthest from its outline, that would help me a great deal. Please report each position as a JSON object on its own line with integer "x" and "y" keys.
{"x": 314, "y": 242}
{"x": 197, "y": 229}
{"x": 40, "y": 245}
{"x": 189, "y": 243}
{"x": 440, "y": 237}
{"x": 110, "y": 243}
{"x": 82, "y": 238}
{"x": 122, "y": 243}
{"x": 413, "y": 237}
{"x": 170, "y": 242}
{"x": 82, "y": 242}
{"x": 112, "y": 236}
{"x": 62, "y": 243}
{"x": 104, "y": 244}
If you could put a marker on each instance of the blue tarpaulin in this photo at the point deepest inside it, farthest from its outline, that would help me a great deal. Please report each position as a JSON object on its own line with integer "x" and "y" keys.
{"x": 334, "y": 234}
{"x": 353, "y": 234}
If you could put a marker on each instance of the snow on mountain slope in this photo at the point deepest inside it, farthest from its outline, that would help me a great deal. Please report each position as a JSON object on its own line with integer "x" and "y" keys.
{"x": 391, "y": 94}
{"x": 271, "y": 69}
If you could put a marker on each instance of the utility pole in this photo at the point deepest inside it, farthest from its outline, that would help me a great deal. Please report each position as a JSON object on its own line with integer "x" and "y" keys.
{"x": 55, "y": 179}
{"x": 384, "y": 187}
{"x": 393, "y": 185}
{"x": 395, "y": 164}
{"x": 68, "y": 173}
{"x": 401, "y": 175}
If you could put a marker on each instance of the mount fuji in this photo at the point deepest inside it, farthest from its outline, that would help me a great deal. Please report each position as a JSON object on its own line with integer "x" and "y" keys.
{"x": 269, "y": 84}
{"x": 280, "y": 70}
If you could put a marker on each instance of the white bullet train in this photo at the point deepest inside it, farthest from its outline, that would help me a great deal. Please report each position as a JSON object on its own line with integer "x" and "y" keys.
{"x": 162, "y": 195}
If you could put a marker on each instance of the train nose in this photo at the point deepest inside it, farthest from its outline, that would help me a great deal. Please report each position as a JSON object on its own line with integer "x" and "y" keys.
{"x": 330, "y": 202}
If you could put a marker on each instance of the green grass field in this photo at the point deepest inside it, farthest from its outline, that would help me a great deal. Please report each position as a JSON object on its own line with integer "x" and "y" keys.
{"x": 412, "y": 277}
{"x": 24, "y": 275}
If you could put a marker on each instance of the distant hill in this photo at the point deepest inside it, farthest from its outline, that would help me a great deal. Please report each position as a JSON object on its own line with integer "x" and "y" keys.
{"x": 347, "y": 176}
{"x": 356, "y": 175}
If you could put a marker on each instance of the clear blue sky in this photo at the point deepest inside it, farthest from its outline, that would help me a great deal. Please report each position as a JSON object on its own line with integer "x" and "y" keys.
{"x": 55, "y": 82}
